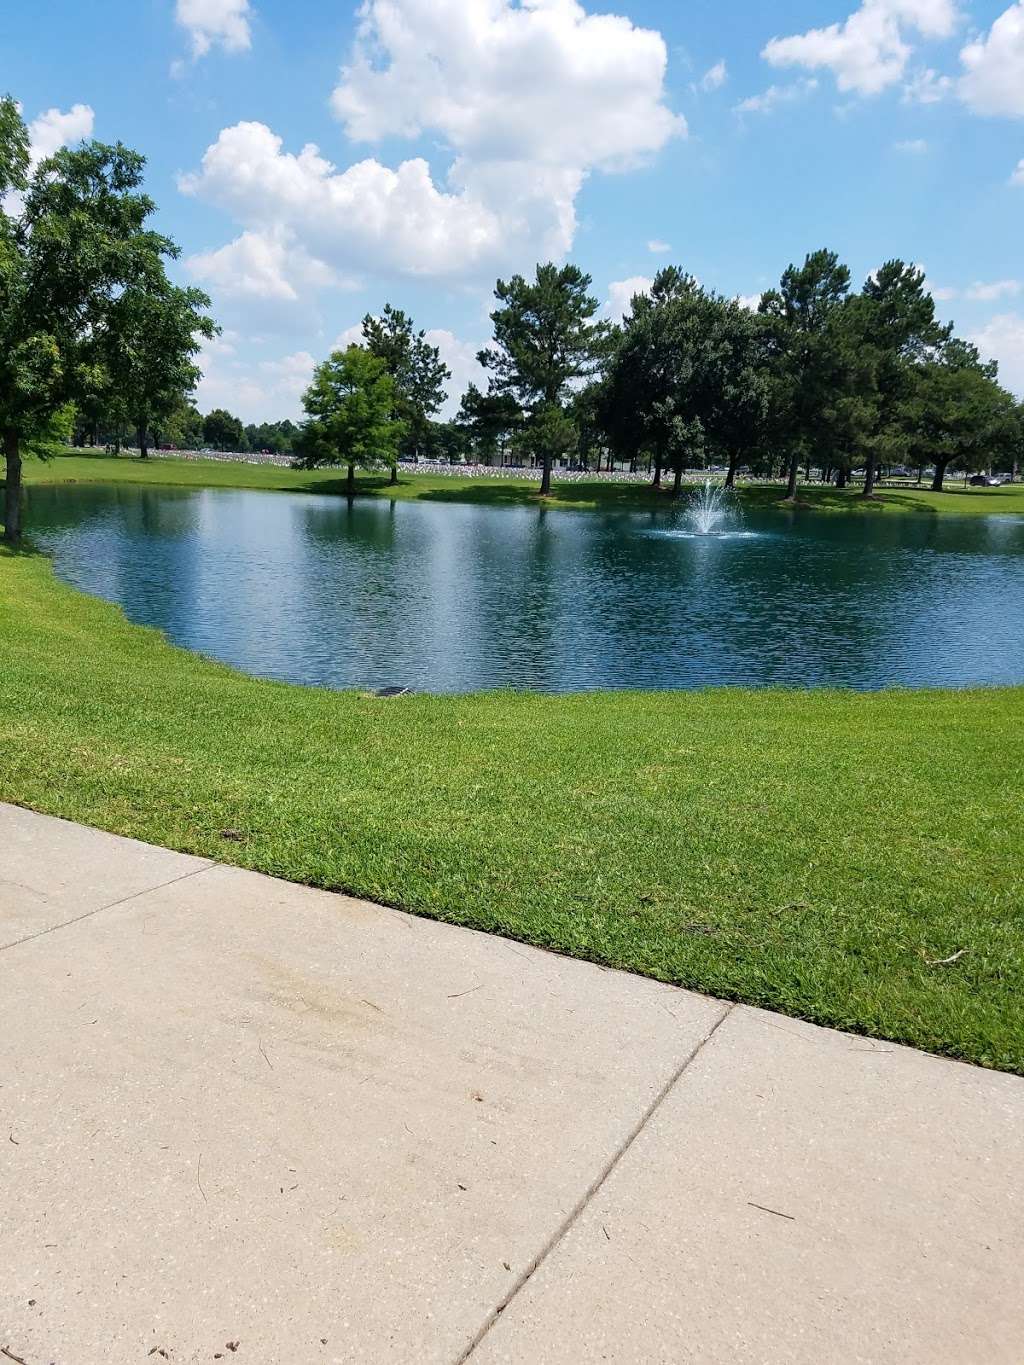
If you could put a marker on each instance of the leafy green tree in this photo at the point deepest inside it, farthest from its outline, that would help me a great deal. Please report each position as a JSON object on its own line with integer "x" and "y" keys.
{"x": 150, "y": 349}
{"x": 742, "y": 392}
{"x": 78, "y": 239}
{"x": 223, "y": 431}
{"x": 183, "y": 425}
{"x": 491, "y": 421}
{"x": 686, "y": 378}
{"x": 419, "y": 374}
{"x": 805, "y": 352}
{"x": 447, "y": 441}
{"x": 350, "y": 420}
{"x": 960, "y": 415}
{"x": 545, "y": 342}
{"x": 894, "y": 329}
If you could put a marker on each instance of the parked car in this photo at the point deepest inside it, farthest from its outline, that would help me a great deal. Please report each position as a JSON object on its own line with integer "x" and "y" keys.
{"x": 985, "y": 481}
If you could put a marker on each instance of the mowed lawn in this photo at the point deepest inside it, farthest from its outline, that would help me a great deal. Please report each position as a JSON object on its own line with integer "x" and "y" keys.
{"x": 586, "y": 494}
{"x": 857, "y": 860}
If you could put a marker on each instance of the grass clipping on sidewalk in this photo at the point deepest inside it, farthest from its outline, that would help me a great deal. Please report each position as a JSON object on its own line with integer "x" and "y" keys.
{"x": 856, "y": 860}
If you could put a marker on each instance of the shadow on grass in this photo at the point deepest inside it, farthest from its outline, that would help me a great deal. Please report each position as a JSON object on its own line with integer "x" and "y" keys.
{"x": 488, "y": 492}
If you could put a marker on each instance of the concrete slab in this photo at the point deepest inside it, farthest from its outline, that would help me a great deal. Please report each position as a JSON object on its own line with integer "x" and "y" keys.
{"x": 800, "y": 1196}
{"x": 52, "y": 871}
{"x": 234, "y": 1110}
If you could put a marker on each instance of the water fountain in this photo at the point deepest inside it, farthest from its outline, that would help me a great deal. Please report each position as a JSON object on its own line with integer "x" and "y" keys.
{"x": 708, "y": 510}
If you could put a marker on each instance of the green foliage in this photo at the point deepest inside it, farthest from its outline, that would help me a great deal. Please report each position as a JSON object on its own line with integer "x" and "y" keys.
{"x": 687, "y": 377}
{"x": 418, "y": 372}
{"x": 957, "y": 414}
{"x": 491, "y": 421}
{"x": 350, "y": 408}
{"x": 79, "y": 268}
{"x": 149, "y": 348}
{"x": 223, "y": 431}
{"x": 546, "y": 341}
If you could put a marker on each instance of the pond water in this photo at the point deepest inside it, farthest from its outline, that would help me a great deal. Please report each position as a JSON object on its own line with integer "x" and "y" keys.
{"x": 450, "y": 597}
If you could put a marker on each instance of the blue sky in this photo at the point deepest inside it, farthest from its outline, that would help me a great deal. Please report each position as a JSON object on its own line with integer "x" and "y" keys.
{"x": 449, "y": 141}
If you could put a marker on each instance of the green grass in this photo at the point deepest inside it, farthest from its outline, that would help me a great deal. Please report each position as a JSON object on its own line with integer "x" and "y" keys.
{"x": 812, "y": 852}
{"x": 494, "y": 492}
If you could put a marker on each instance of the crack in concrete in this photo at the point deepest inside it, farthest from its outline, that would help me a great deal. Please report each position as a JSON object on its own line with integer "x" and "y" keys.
{"x": 124, "y": 900}
{"x": 563, "y": 1229}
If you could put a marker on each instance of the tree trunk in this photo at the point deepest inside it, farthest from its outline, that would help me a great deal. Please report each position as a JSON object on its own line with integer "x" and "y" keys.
{"x": 678, "y": 483}
{"x": 545, "y": 479}
{"x": 656, "y": 482}
{"x": 940, "y": 475}
{"x": 12, "y": 501}
{"x": 730, "y": 478}
{"x": 143, "y": 444}
{"x": 794, "y": 470}
{"x": 842, "y": 477}
{"x": 394, "y": 473}
{"x": 869, "y": 478}
{"x": 350, "y": 487}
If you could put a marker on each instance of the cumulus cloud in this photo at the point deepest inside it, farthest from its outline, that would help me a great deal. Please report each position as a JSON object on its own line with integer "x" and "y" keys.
{"x": 993, "y": 79}
{"x": 869, "y": 51}
{"x": 1002, "y": 339}
{"x": 621, "y": 294}
{"x": 302, "y": 215}
{"x": 260, "y": 391}
{"x": 215, "y": 23}
{"x": 56, "y": 128}
{"x": 545, "y": 82}
{"x": 658, "y": 248}
{"x": 528, "y": 99}
{"x": 1017, "y": 178}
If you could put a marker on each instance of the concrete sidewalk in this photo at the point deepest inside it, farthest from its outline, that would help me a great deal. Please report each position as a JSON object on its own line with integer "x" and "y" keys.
{"x": 247, "y": 1121}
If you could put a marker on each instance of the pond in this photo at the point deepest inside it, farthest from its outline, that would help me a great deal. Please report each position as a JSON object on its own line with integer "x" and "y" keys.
{"x": 449, "y": 597}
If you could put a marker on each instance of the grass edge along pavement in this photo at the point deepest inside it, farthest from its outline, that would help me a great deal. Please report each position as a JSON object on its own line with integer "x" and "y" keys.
{"x": 585, "y": 495}
{"x": 850, "y": 859}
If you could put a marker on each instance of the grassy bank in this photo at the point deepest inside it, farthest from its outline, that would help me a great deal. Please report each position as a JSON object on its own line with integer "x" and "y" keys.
{"x": 495, "y": 492}
{"x": 816, "y": 853}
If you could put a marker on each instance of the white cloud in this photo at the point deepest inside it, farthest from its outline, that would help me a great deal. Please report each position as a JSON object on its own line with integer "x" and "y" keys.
{"x": 942, "y": 293}
{"x": 993, "y": 79}
{"x": 221, "y": 23}
{"x": 460, "y": 357}
{"x": 55, "y": 129}
{"x": 267, "y": 266}
{"x": 714, "y": 78}
{"x": 621, "y": 294}
{"x": 1002, "y": 339}
{"x": 544, "y": 82}
{"x": 998, "y": 289}
{"x": 927, "y": 87}
{"x": 529, "y": 100}
{"x": 1017, "y": 178}
{"x": 658, "y": 248}
{"x": 752, "y": 302}
{"x": 260, "y": 391}
{"x": 770, "y": 99}
{"x": 298, "y": 209}
{"x": 869, "y": 51}
{"x": 916, "y": 146}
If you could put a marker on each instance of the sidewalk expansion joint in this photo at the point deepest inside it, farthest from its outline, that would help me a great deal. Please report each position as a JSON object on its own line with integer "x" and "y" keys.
{"x": 143, "y": 891}
{"x": 564, "y": 1227}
